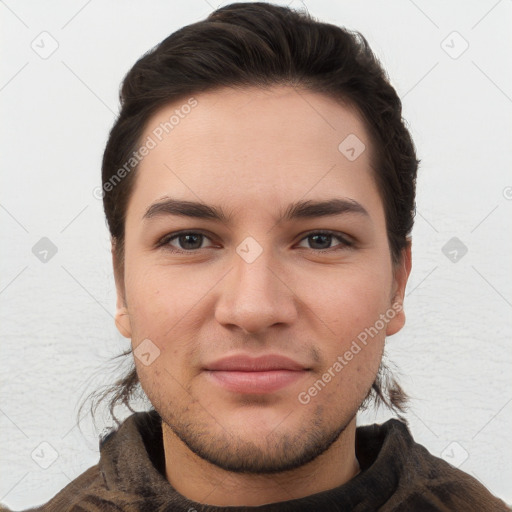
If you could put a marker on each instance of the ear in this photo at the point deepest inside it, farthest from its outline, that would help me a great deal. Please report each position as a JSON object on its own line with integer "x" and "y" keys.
{"x": 401, "y": 273}
{"x": 122, "y": 317}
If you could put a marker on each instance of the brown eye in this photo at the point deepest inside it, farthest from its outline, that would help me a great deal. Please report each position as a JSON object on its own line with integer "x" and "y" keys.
{"x": 189, "y": 241}
{"x": 321, "y": 241}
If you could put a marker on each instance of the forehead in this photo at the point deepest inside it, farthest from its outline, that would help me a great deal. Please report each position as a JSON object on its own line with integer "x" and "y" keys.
{"x": 255, "y": 145}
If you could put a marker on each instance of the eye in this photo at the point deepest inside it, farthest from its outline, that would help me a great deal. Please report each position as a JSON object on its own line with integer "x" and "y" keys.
{"x": 191, "y": 241}
{"x": 321, "y": 241}
{"x": 186, "y": 241}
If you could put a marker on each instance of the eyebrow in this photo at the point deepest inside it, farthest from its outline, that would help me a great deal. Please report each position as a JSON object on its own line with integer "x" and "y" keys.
{"x": 299, "y": 210}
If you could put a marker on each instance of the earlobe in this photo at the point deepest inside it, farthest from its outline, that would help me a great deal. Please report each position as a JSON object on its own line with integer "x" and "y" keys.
{"x": 397, "y": 314}
{"x": 122, "y": 320}
{"x": 401, "y": 275}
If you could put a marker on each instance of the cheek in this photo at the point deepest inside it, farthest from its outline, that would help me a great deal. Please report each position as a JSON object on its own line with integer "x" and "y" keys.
{"x": 349, "y": 307}
{"x": 349, "y": 300}
{"x": 161, "y": 383}
{"x": 159, "y": 299}
{"x": 340, "y": 392}
{"x": 166, "y": 308}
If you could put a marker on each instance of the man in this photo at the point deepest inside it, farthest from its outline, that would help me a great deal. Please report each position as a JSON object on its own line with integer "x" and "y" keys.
{"x": 273, "y": 145}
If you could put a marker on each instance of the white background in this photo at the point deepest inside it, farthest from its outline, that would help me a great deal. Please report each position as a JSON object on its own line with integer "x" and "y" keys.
{"x": 57, "y": 329}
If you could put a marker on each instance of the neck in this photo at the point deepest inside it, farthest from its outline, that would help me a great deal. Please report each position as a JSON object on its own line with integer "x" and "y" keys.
{"x": 201, "y": 481}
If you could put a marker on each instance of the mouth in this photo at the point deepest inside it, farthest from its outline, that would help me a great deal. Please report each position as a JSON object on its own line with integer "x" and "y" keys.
{"x": 249, "y": 375}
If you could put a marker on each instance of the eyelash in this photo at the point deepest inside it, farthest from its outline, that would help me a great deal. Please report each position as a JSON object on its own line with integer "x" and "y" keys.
{"x": 164, "y": 242}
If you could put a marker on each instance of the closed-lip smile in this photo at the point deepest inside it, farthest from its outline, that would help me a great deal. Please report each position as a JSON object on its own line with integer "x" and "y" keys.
{"x": 255, "y": 375}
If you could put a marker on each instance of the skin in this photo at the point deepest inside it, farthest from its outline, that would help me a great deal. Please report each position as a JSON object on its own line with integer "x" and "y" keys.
{"x": 253, "y": 152}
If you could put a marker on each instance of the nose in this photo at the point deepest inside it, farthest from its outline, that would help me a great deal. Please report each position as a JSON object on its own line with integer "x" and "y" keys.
{"x": 256, "y": 295}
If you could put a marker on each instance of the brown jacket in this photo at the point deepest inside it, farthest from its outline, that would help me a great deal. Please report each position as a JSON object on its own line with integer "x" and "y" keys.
{"x": 397, "y": 475}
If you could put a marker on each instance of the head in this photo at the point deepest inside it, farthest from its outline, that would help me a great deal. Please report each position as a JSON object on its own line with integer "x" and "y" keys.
{"x": 288, "y": 135}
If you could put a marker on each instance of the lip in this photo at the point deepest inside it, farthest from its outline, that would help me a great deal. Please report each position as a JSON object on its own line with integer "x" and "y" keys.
{"x": 255, "y": 375}
{"x": 245, "y": 363}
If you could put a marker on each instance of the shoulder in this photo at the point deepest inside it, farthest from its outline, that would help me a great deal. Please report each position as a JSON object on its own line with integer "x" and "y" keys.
{"x": 101, "y": 488}
{"x": 87, "y": 492}
{"x": 68, "y": 497}
{"x": 428, "y": 482}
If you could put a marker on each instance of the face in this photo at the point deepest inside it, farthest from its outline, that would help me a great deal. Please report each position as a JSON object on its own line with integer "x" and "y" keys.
{"x": 247, "y": 313}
